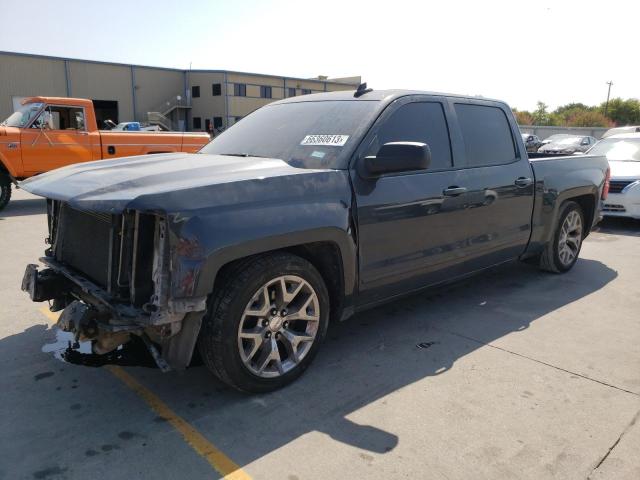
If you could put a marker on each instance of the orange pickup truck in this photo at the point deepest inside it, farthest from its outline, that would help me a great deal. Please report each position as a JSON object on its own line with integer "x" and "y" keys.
{"x": 50, "y": 132}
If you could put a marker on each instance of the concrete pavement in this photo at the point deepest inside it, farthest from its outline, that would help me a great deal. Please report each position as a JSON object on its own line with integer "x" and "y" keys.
{"x": 513, "y": 374}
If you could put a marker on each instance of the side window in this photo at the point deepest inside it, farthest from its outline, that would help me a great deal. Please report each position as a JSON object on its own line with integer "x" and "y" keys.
{"x": 61, "y": 118}
{"x": 418, "y": 122}
{"x": 486, "y": 134}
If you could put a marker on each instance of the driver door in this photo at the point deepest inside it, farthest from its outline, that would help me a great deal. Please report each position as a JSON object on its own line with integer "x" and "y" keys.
{"x": 58, "y": 137}
{"x": 411, "y": 229}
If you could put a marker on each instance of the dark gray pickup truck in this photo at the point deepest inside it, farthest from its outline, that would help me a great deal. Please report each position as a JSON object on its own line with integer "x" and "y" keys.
{"x": 306, "y": 211}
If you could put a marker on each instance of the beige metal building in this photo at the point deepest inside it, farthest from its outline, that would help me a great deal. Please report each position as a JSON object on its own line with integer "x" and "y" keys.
{"x": 178, "y": 99}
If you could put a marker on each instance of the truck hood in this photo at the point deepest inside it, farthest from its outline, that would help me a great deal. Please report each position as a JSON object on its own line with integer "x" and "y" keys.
{"x": 624, "y": 170}
{"x": 179, "y": 182}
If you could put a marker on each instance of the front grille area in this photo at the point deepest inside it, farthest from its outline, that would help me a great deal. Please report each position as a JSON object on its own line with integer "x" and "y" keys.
{"x": 84, "y": 241}
{"x": 113, "y": 251}
{"x": 616, "y": 186}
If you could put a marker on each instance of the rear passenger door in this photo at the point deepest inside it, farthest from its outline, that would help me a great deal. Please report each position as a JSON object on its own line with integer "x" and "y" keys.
{"x": 499, "y": 184}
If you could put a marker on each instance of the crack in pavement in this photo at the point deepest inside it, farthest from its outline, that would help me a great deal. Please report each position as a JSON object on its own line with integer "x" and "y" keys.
{"x": 615, "y": 444}
{"x": 537, "y": 361}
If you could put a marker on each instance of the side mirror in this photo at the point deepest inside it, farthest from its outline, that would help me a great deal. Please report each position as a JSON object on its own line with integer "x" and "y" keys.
{"x": 396, "y": 157}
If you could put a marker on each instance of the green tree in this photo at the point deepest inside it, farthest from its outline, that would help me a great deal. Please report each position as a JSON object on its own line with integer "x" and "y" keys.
{"x": 587, "y": 118}
{"x": 572, "y": 107}
{"x": 541, "y": 115}
{"x": 623, "y": 112}
{"x": 523, "y": 117}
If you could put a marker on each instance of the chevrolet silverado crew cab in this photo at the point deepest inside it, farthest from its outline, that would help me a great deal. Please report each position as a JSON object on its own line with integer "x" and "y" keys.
{"x": 50, "y": 132}
{"x": 308, "y": 210}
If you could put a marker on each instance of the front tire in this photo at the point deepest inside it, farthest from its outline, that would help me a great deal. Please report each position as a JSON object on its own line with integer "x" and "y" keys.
{"x": 5, "y": 191}
{"x": 561, "y": 253}
{"x": 265, "y": 322}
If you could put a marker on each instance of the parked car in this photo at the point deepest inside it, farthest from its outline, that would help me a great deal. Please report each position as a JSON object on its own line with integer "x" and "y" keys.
{"x": 531, "y": 142}
{"x": 555, "y": 138}
{"x": 309, "y": 209}
{"x": 131, "y": 127}
{"x": 568, "y": 145}
{"x": 623, "y": 153}
{"x": 618, "y": 130}
{"x": 50, "y": 132}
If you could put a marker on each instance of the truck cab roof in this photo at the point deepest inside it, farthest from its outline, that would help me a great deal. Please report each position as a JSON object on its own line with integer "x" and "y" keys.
{"x": 76, "y": 102}
{"x": 386, "y": 96}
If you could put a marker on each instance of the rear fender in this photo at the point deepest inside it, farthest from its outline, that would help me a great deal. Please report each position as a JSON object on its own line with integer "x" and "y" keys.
{"x": 547, "y": 210}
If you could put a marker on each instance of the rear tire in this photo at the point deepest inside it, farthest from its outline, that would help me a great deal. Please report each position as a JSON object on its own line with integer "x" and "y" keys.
{"x": 265, "y": 322}
{"x": 5, "y": 191}
{"x": 561, "y": 253}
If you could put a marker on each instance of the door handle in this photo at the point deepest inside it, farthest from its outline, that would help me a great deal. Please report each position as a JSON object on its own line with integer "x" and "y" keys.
{"x": 523, "y": 181}
{"x": 454, "y": 191}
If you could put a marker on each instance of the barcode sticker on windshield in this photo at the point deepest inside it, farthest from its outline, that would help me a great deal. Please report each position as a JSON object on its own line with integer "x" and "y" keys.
{"x": 325, "y": 140}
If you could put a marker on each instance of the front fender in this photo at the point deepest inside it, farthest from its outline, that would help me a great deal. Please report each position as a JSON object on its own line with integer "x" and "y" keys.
{"x": 202, "y": 243}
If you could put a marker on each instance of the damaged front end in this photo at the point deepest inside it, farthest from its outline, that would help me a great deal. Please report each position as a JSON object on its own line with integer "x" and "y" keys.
{"x": 120, "y": 275}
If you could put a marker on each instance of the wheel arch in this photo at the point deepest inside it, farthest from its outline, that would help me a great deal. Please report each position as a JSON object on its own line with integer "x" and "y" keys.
{"x": 336, "y": 267}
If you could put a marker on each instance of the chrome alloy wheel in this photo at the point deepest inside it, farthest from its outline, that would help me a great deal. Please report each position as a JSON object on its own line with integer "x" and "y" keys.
{"x": 570, "y": 238}
{"x": 278, "y": 326}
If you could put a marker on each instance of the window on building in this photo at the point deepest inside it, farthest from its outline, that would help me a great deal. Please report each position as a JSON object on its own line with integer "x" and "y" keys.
{"x": 240, "y": 89}
{"x": 197, "y": 123}
{"x": 195, "y": 91}
{"x": 237, "y": 119}
{"x": 305, "y": 91}
{"x": 292, "y": 92}
{"x": 217, "y": 122}
{"x": 265, "y": 91}
{"x": 486, "y": 134}
{"x": 418, "y": 122}
{"x": 216, "y": 89}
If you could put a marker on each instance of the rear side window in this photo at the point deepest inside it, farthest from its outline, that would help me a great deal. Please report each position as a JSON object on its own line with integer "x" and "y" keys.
{"x": 486, "y": 134}
{"x": 418, "y": 122}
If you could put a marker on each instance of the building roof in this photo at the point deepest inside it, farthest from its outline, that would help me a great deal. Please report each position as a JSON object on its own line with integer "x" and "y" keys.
{"x": 337, "y": 81}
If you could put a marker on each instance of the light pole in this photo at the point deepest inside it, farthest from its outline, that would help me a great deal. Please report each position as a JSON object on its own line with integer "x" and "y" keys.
{"x": 606, "y": 105}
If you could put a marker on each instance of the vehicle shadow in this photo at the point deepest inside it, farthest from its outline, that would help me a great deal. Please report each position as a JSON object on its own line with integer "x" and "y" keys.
{"x": 620, "y": 226}
{"x": 372, "y": 355}
{"x": 23, "y": 207}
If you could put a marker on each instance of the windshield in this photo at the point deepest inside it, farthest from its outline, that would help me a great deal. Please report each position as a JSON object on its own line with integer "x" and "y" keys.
{"x": 569, "y": 141}
{"x": 303, "y": 134}
{"x": 621, "y": 149}
{"x": 555, "y": 138}
{"x": 21, "y": 117}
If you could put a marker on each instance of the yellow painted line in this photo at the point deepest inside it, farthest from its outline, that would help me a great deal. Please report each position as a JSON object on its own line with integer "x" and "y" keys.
{"x": 218, "y": 460}
{"x": 51, "y": 316}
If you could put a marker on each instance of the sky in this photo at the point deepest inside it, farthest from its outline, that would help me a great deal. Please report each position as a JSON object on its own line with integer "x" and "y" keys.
{"x": 557, "y": 51}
